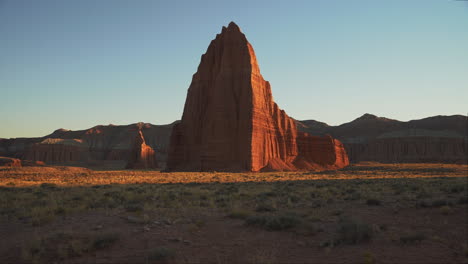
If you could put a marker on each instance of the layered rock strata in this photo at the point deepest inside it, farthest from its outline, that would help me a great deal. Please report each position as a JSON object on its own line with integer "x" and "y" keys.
{"x": 230, "y": 121}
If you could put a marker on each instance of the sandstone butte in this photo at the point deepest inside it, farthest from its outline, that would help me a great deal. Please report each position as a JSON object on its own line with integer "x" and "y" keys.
{"x": 231, "y": 123}
{"x": 96, "y": 146}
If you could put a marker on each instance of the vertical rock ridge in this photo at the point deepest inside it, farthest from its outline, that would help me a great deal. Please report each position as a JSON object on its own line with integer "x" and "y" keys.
{"x": 142, "y": 156}
{"x": 230, "y": 121}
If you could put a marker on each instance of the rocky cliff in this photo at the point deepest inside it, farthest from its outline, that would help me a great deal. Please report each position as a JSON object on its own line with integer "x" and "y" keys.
{"x": 370, "y": 138}
{"x": 230, "y": 121}
{"x": 101, "y": 146}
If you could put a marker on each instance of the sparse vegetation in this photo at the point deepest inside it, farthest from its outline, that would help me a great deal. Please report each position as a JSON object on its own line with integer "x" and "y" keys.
{"x": 239, "y": 214}
{"x": 351, "y": 231}
{"x": 161, "y": 254}
{"x": 314, "y": 208}
{"x": 373, "y": 202}
{"x": 274, "y": 222}
{"x": 105, "y": 240}
{"x": 412, "y": 238}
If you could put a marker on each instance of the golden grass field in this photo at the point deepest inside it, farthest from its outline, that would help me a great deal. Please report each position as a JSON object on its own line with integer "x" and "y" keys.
{"x": 366, "y": 213}
{"x": 76, "y": 176}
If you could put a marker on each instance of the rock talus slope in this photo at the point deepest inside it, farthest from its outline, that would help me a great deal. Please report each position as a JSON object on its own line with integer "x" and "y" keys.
{"x": 230, "y": 121}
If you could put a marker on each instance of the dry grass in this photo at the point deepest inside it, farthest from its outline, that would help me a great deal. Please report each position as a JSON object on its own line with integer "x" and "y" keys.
{"x": 74, "y": 176}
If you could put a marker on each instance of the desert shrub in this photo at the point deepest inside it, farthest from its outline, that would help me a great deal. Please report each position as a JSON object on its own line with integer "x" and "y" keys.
{"x": 104, "y": 240}
{"x": 308, "y": 229}
{"x": 50, "y": 186}
{"x": 264, "y": 207}
{"x": 256, "y": 220}
{"x": 445, "y": 210}
{"x": 373, "y": 202}
{"x": 274, "y": 222}
{"x": 41, "y": 194}
{"x": 463, "y": 200}
{"x": 412, "y": 237}
{"x": 134, "y": 207}
{"x": 369, "y": 258}
{"x": 353, "y": 232}
{"x": 60, "y": 210}
{"x": 54, "y": 247}
{"x": 222, "y": 201}
{"x": 457, "y": 188}
{"x": 294, "y": 198}
{"x": 282, "y": 222}
{"x": 435, "y": 203}
{"x": 439, "y": 203}
{"x": 161, "y": 254}
{"x": 239, "y": 214}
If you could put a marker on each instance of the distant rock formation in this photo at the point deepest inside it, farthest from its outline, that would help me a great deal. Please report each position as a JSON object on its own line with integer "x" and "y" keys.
{"x": 231, "y": 123}
{"x": 441, "y": 139}
{"x": 9, "y": 162}
{"x": 58, "y": 151}
{"x": 142, "y": 156}
{"x": 111, "y": 146}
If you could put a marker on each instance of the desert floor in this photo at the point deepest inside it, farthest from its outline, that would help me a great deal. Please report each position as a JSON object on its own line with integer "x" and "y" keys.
{"x": 366, "y": 213}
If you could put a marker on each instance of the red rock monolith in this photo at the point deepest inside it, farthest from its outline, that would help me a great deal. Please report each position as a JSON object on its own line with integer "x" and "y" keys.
{"x": 231, "y": 123}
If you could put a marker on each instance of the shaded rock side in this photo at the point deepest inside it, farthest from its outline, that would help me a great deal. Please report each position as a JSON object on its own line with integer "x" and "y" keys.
{"x": 438, "y": 139}
{"x": 230, "y": 121}
{"x": 411, "y": 150}
{"x": 142, "y": 156}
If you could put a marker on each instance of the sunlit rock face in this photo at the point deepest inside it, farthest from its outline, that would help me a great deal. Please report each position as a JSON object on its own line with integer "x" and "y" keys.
{"x": 142, "y": 156}
{"x": 231, "y": 123}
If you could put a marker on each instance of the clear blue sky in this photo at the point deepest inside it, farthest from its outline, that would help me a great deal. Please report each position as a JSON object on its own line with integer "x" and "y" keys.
{"x": 76, "y": 64}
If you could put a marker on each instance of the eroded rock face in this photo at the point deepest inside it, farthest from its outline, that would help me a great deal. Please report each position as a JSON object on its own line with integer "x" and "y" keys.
{"x": 108, "y": 147}
{"x": 230, "y": 121}
{"x": 142, "y": 156}
{"x": 58, "y": 151}
{"x": 318, "y": 151}
{"x": 438, "y": 139}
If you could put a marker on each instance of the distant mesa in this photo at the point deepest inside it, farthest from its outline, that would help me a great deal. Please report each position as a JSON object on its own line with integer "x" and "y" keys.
{"x": 135, "y": 146}
{"x": 440, "y": 139}
{"x": 231, "y": 123}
